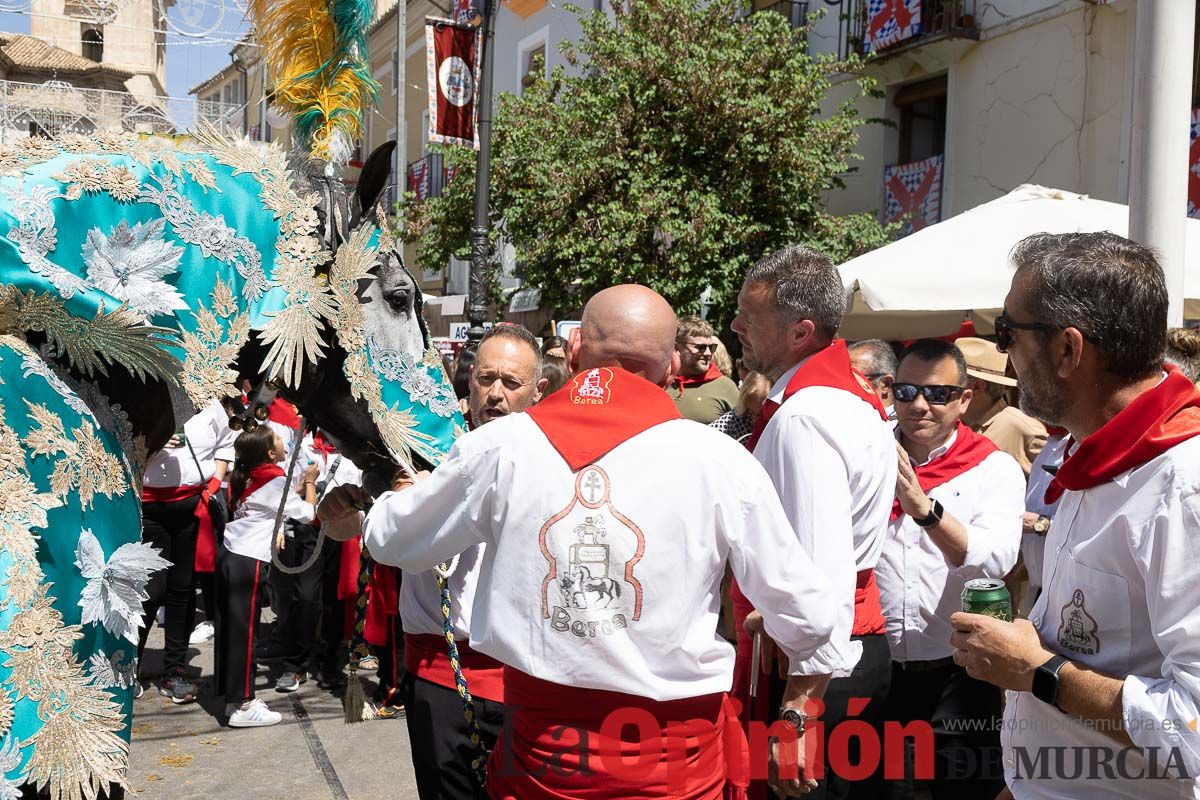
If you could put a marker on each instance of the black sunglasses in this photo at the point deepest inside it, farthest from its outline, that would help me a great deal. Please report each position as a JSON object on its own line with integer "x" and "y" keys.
{"x": 700, "y": 348}
{"x": 935, "y": 395}
{"x": 1005, "y": 327}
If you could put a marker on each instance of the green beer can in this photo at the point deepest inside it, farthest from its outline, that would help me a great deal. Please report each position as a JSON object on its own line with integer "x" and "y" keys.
{"x": 987, "y": 596}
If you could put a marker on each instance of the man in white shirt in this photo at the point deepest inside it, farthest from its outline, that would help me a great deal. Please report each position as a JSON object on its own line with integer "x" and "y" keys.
{"x": 876, "y": 360}
{"x": 600, "y": 586}
{"x": 504, "y": 380}
{"x": 1104, "y": 677}
{"x": 957, "y": 517}
{"x": 823, "y": 438}
{"x": 178, "y": 482}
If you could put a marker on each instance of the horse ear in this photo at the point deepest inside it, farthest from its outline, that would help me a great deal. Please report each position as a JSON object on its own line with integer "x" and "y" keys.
{"x": 373, "y": 178}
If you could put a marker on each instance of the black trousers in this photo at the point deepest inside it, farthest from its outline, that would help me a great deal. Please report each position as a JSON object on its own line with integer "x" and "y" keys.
{"x": 238, "y": 580}
{"x": 328, "y": 649}
{"x": 171, "y": 527}
{"x": 391, "y": 664}
{"x": 869, "y": 681}
{"x": 441, "y": 745}
{"x": 965, "y": 716}
{"x": 296, "y": 600}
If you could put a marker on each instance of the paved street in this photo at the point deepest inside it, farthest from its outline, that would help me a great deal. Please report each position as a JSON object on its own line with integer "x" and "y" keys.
{"x": 184, "y": 752}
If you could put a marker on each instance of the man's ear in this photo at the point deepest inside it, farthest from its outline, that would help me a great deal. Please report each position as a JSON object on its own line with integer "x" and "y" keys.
{"x": 539, "y": 389}
{"x": 964, "y": 400}
{"x": 1069, "y": 353}
{"x": 673, "y": 370}
{"x": 372, "y": 180}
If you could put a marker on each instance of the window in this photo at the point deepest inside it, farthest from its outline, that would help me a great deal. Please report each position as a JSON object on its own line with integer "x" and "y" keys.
{"x": 922, "y": 123}
{"x": 534, "y": 59}
{"x": 93, "y": 44}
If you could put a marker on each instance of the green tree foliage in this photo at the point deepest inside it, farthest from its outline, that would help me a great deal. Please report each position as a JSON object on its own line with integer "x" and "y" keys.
{"x": 690, "y": 142}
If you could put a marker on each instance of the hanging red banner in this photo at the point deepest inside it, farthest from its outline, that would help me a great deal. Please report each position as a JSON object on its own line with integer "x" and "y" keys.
{"x": 452, "y": 61}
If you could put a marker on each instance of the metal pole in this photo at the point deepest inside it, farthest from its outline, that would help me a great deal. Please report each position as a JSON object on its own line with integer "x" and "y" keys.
{"x": 480, "y": 251}
{"x": 1159, "y": 142}
{"x": 401, "y": 106}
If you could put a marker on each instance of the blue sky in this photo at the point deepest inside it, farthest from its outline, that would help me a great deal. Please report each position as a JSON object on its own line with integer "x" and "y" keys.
{"x": 190, "y": 60}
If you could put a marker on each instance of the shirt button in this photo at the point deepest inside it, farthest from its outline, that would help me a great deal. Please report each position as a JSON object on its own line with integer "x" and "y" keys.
{"x": 1036, "y": 621}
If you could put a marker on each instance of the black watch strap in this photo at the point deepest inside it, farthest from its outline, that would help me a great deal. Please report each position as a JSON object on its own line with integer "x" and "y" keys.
{"x": 1045, "y": 680}
{"x": 933, "y": 517}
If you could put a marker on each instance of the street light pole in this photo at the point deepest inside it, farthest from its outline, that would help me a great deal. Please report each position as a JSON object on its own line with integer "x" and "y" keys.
{"x": 480, "y": 249}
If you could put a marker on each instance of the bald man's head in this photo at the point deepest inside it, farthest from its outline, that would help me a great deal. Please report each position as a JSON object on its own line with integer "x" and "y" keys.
{"x": 628, "y": 326}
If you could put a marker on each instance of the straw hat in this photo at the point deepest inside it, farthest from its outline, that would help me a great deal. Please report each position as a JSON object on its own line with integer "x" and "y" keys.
{"x": 984, "y": 361}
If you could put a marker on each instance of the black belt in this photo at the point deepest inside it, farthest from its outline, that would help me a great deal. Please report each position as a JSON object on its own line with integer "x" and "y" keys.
{"x": 925, "y": 666}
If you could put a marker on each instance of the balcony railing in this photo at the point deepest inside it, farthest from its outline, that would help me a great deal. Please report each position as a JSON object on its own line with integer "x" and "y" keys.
{"x": 58, "y": 107}
{"x": 794, "y": 11}
{"x": 899, "y": 24}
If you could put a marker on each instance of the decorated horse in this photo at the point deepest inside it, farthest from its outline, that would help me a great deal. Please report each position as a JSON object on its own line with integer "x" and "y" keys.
{"x": 139, "y": 280}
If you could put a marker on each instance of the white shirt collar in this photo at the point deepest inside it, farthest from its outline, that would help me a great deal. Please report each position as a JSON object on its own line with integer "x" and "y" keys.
{"x": 780, "y": 386}
{"x": 936, "y": 452}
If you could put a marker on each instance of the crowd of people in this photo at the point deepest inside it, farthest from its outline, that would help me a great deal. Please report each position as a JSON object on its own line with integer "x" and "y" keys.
{"x": 639, "y": 528}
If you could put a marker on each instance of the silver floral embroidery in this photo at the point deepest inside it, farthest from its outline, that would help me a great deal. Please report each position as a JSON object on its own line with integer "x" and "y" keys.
{"x": 32, "y": 365}
{"x": 131, "y": 264}
{"x": 214, "y": 238}
{"x": 109, "y": 673}
{"x": 10, "y": 759}
{"x": 116, "y": 587}
{"x": 423, "y": 388}
{"x": 36, "y": 235}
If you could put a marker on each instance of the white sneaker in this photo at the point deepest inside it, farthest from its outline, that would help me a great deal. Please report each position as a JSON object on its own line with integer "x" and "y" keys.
{"x": 203, "y": 633}
{"x": 254, "y": 714}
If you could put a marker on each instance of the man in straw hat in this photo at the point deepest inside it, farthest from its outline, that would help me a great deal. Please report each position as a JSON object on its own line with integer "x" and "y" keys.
{"x": 1013, "y": 431}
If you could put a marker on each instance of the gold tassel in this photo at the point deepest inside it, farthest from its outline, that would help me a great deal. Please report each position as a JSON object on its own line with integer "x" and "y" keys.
{"x": 355, "y": 706}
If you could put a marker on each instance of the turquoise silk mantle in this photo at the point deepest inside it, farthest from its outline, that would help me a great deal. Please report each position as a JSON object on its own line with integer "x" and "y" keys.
{"x": 161, "y": 258}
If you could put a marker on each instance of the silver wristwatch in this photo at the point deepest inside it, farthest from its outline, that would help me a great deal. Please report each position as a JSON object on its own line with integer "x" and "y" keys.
{"x": 794, "y": 717}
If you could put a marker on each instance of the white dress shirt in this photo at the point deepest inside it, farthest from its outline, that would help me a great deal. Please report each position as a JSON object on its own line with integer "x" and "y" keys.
{"x": 421, "y": 599}
{"x": 918, "y": 587}
{"x": 1033, "y": 545}
{"x": 832, "y": 459}
{"x": 248, "y": 533}
{"x": 610, "y": 578}
{"x": 210, "y": 436}
{"x": 1121, "y": 595}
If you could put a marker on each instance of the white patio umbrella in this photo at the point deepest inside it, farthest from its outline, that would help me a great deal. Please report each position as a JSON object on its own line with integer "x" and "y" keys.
{"x": 926, "y": 284}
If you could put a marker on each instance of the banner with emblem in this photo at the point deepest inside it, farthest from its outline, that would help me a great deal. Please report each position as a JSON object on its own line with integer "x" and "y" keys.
{"x": 913, "y": 194}
{"x": 452, "y": 60}
{"x": 1194, "y": 168}
{"x": 890, "y": 22}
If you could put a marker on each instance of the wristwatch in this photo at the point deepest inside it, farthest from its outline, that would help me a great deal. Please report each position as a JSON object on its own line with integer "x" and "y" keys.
{"x": 1045, "y": 680}
{"x": 933, "y": 517}
{"x": 1041, "y": 525}
{"x": 794, "y": 717}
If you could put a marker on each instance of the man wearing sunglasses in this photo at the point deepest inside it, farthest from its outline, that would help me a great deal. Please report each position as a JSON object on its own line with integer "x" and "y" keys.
{"x": 701, "y": 392}
{"x": 957, "y": 516}
{"x": 1108, "y": 663}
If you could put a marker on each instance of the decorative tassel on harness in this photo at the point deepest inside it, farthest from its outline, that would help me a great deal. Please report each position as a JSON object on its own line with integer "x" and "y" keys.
{"x": 354, "y": 703}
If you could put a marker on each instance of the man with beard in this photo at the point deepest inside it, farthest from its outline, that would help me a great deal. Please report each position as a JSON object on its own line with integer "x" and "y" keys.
{"x": 1106, "y": 671}
{"x": 824, "y": 439}
{"x": 957, "y": 517}
{"x": 599, "y": 588}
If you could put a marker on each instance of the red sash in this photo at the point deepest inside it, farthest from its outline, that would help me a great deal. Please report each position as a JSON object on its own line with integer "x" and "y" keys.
{"x": 702, "y": 755}
{"x": 260, "y": 476}
{"x": 1156, "y": 421}
{"x": 206, "y": 539}
{"x": 829, "y": 367}
{"x": 284, "y": 413}
{"x": 709, "y": 376}
{"x": 968, "y": 451}
{"x": 600, "y": 409}
{"x": 426, "y": 657}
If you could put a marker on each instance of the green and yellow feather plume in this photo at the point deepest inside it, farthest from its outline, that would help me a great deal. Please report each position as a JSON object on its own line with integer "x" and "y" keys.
{"x": 317, "y": 52}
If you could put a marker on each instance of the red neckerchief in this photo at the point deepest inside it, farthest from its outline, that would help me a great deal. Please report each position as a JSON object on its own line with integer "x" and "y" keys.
{"x": 828, "y": 367}
{"x": 284, "y": 413}
{"x": 323, "y": 447}
{"x": 712, "y": 374}
{"x": 1156, "y": 421}
{"x": 1054, "y": 430}
{"x": 260, "y": 476}
{"x": 967, "y": 452}
{"x": 600, "y": 409}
